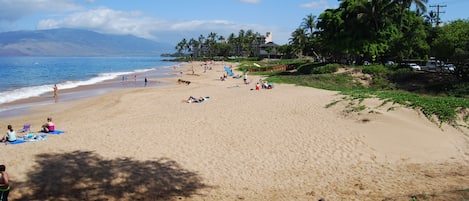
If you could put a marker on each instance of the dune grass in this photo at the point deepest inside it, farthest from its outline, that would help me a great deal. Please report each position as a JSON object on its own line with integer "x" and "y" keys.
{"x": 436, "y": 109}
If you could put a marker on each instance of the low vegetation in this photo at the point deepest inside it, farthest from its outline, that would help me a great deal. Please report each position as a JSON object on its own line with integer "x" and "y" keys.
{"x": 441, "y": 97}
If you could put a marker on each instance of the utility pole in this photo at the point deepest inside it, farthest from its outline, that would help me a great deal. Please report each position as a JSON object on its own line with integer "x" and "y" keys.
{"x": 438, "y": 6}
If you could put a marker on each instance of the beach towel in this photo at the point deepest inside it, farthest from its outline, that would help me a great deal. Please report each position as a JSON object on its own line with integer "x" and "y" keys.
{"x": 31, "y": 137}
{"x": 56, "y": 132}
{"x": 18, "y": 141}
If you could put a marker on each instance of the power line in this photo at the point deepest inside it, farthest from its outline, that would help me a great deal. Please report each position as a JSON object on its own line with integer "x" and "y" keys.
{"x": 438, "y": 6}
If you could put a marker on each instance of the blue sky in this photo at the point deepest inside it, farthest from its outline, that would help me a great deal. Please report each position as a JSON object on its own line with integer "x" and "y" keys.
{"x": 170, "y": 21}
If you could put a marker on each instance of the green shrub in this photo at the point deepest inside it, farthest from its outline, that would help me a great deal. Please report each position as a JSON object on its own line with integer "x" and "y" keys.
{"x": 328, "y": 68}
{"x": 308, "y": 67}
{"x": 376, "y": 70}
{"x": 380, "y": 83}
{"x": 459, "y": 90}
{"x": 402, "y": 74}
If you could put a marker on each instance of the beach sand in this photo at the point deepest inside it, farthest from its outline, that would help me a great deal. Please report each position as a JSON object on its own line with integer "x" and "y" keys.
{"x": 241, "y": 144}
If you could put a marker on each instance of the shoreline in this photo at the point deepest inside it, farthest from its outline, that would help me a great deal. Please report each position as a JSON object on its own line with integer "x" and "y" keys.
{"x": 21, "y": 107}
{"x": 241, "y": 143}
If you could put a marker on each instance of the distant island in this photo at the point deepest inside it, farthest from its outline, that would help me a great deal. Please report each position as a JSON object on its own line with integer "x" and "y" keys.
{"x": 76, "y": 42}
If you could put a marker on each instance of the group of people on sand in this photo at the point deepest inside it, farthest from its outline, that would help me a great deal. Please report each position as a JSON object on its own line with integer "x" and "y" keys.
{"x": 264, "y": 85}
{"x": 11, "y": 134}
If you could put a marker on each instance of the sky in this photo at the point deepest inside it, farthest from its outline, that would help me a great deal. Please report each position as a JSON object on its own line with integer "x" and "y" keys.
{"x": 169, "y": 21}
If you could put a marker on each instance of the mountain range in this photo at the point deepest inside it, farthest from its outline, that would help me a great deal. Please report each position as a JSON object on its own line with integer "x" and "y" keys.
{"x": 77, "y": 42}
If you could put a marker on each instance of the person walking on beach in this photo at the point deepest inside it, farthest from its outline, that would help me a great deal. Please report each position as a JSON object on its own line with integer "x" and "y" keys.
{"x": 56, "y": 91}
{"x": 4, "y": 184}
{"x": 245, "y": 77}
{"x": 146, "y": 81}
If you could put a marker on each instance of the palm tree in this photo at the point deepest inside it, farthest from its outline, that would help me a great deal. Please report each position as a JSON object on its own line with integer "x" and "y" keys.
{"x": 201, "y": 48}
{"x": 210, "y": 43}
{"x": 431, "y": 18}
{"x": 309, "y": 22}
{"x": 298, "y": 40}
{"x": 419, "y": 4}
{"x": 234, "y": 41}
{"x": 181, "y": 45}
{"x": 406, "y": 4}
{"x": 194, "y": 45}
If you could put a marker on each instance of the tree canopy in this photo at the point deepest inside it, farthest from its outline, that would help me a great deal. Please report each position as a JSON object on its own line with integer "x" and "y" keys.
{"x": 358, "y": 30}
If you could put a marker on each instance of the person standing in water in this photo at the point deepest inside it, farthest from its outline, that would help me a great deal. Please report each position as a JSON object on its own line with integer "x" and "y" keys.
{"x": 56, "y": 91}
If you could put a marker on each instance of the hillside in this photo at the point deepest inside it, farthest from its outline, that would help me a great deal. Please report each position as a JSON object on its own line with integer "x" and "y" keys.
{"x": 75, "y": 42}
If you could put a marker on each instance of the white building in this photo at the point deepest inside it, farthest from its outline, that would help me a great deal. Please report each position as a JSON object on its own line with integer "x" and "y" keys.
{"x": 268, "y": 37}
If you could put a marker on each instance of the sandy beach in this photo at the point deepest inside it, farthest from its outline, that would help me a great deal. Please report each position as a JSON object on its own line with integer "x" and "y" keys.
{"x": 146, "y": 143}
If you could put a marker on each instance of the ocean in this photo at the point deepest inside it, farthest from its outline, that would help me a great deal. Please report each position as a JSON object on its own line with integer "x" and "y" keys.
{"x": 28, "y": 77}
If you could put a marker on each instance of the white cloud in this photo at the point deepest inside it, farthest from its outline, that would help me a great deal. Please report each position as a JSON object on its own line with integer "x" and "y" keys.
{"x": 106, "y": 20}
{"x": 250, "y": 1}
{"x": 11, "y": 10}
{"x": 320, "y": 4}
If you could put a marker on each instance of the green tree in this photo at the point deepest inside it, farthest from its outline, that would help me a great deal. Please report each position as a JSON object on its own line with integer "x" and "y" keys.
{"x": 194, "y": 47}
{"x": 298, "y": 40}
{"x": 286, "y": 50}
{"x": 372, "y": 29}
{"x": 330, "y": 32}
{"x": 309, "y": 22}
{"x": 431, "y": 18}
{"x": 181, "y": 46}
{"x": 452, "y": 42}
{"x": 411, "y": 43}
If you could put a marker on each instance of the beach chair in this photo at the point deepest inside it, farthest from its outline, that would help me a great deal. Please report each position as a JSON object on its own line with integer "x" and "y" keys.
{"x": 26, "y": 127}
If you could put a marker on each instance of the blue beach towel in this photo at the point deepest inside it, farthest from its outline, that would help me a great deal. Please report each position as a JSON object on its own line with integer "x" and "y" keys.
{"x": 17, "y": 141}
{"x": 34, "y": 138}
{"x": 56, "y": 132}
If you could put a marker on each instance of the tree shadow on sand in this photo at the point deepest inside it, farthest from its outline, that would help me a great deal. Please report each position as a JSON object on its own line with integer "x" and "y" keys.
{"x": 86, "y": 176}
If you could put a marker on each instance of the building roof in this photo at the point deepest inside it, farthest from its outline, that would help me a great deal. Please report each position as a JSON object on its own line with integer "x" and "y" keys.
{"x": 269, "y": 44}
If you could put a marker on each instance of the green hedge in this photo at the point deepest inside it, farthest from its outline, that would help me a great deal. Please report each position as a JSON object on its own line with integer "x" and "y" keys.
{"x": 317, "y": 68}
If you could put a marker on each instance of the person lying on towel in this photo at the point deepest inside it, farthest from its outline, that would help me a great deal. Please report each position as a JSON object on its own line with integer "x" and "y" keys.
{"x": 193, "y": 99}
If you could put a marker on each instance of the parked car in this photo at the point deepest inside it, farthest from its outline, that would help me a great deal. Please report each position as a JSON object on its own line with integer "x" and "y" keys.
{"x": 389, "y": 63}
{"x": 449, "y": 67}
{"x": 414, "y": 66}
{"x": 434, "y": 64}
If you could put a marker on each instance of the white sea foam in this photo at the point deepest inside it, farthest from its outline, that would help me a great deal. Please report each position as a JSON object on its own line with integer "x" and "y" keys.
{"x": 35, "y": 91}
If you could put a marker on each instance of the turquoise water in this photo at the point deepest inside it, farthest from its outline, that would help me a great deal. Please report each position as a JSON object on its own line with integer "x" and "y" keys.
{"x": 26, "y": 77}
